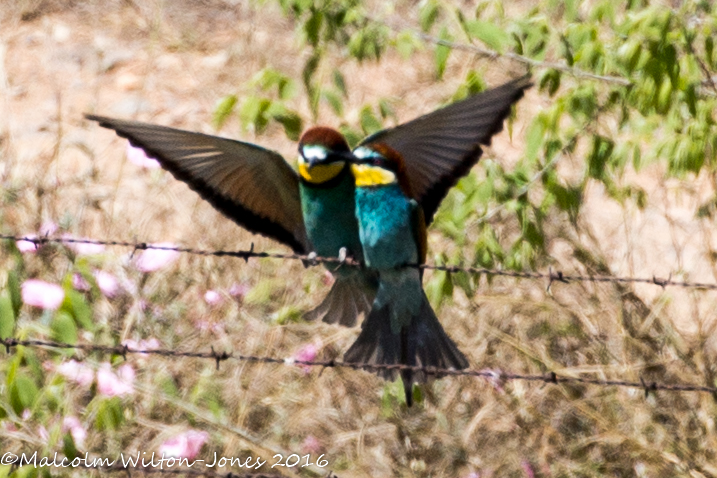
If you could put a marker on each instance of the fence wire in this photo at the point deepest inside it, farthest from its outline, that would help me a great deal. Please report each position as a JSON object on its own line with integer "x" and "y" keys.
{"x": 312, "y": 259}
{"x": 493, "y": 375}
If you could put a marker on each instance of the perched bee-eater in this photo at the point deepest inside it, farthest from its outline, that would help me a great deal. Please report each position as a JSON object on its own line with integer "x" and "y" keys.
{"x": 313, "y": 211}
{"x": 401, "y": 177}
{"x": 402, "y": 327}
{"x": 258, "y": 189}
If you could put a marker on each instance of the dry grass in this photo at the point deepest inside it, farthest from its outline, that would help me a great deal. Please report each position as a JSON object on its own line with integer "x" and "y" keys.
{"x": 168, "y": 63}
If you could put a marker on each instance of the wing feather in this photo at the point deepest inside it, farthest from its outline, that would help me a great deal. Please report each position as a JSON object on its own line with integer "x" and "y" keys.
{"x": 253, "y": 186}
{"x": 441, "y": 147}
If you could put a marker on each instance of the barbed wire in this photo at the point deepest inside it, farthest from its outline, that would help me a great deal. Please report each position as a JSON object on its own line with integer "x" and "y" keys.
{"x": 312, "y": 259}
{"x": 496, "y": 375}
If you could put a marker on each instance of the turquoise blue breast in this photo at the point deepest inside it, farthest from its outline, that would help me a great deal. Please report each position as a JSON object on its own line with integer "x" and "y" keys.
{"x": 386, "y": 226}
{"x": 330, "y": 217}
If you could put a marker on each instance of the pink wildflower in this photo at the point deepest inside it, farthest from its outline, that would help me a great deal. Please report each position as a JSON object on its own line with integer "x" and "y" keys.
{"x": 42, "y": 294}
{"x": 209, "y": 326}
{"x": 139, "y": 157}
{"x": 238, "y": 291}
{"x": 107, "y": 283}
{"x": 113, "y": 385}
{"x": 311, "y": 444}
{"x": 79, "y": 282}
{"x": 78, "y": 432}
{"x": 78, "y": 372}
{"x": 213, "y": 298}
{"x": 529, "y": 473}
{"x": 307, "y": 354}
{"x": 27, "y": 246}
{"x": 185, "y": 445}
{"x": 48, "y": 228}
{"x": 154, "y": 259}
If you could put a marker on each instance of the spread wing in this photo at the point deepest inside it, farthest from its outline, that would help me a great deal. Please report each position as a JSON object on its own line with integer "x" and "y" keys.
{"x": 441, "y": 147}
{"x": 251, "y": 185}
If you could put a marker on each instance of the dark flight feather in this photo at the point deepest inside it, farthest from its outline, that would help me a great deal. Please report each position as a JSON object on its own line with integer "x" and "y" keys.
{"x": 441, "y": 147}
{"x": 253, "y": 186}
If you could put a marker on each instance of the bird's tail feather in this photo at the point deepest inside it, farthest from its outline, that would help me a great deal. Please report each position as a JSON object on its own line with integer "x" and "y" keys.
{"x": 422, "y": 343}
{"x": 350, "y": 296}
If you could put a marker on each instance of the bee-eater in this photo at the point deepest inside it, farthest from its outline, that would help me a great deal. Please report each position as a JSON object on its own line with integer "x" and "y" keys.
{"x": 402, "y": 327}
{"x": 401, "y": 177}
{"x": 258, "y": 189}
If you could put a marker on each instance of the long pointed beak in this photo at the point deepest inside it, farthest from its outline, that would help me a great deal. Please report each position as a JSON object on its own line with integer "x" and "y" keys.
{"x": 312, "y": 162}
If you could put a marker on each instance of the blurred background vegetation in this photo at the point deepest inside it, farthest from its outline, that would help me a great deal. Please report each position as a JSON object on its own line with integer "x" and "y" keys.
{"x": 607, "y": 167}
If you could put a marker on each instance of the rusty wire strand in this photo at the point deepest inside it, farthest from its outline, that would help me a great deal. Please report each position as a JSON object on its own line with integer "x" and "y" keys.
{"x": 549, "y": 377}
{"x": 312, "y": 259}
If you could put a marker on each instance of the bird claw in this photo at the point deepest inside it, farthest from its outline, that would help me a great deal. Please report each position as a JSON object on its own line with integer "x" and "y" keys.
{"x": 311, "y": 258}
{"x": 343, "y": 255}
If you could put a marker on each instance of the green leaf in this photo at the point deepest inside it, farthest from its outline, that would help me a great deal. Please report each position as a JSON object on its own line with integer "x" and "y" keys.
{"x": 442, "y": 53}
{"x": 369, "y": 122}
{"x": 550, "y": 81}
{"x": 489, "y": 33}
{"x": 340, "y": 83}
{"x": 599, "y": 155}
{"x": 352, "y": 136}
{"x": 440, "y": 287}
{"x": 7, "y": 316}
{"x": 223, "y": 110}
{"x": 534, "y": 139}
{"x": 109, "y": 414}
{"x": 13, "y": 287}
{"x": 406, "y": 43}
{"x": 307, "y": 74}
{"x": 253, "y": 113}
{"x": 63, "y": 328}
{"x": 292, "y": 123}
{"x": 287, "y": 315}
{"x": 23, "y": 393}
{"x": 473, "y": 84}
{"x": 76, "y": 305}
{"x": 334, "y": 100}
{"x": 312, "y": 27}
{"x": 68, "y": 446}
{"x": 428, "y": 14}
{"x": 386, "y": 109}
{"x": 465, "y": 282}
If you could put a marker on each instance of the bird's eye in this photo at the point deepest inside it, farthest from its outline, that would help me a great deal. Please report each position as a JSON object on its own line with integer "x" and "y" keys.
{"x": 377, "y": 162}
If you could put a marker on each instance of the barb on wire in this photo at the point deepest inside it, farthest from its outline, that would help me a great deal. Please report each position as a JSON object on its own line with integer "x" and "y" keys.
{"x": 549, "y": 377}
{"x": 313, "y": 259}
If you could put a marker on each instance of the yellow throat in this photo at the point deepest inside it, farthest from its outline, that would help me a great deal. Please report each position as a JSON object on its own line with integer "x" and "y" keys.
{"x": 321, "y": 172}
{"x": 367, "y": 175}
